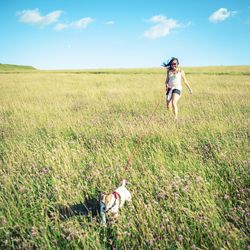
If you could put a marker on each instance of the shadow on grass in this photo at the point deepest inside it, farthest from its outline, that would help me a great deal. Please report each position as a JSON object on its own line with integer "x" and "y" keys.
{"x": 89, "y": 208}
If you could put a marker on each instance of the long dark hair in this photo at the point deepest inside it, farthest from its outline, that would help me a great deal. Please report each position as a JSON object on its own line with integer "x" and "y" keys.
{"x": 168, "y": 64}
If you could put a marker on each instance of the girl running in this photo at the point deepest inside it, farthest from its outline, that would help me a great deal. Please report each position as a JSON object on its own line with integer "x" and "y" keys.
{"x": 173, "y": 85}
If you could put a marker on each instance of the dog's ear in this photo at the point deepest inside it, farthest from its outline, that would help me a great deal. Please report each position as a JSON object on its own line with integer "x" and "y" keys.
{"x": 123, "y": 182}
{"x": 101, "y": 196}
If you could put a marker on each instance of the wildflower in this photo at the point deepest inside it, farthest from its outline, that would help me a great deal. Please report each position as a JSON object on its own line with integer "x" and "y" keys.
{"x": 22, "y": 189}
{"x": 180, "y": 238}
{"x": 185, "y": 189}
{"x": 176, "y": 196}
{"x": 161, "y": 195}
{"x": 127, "y": 233}
{"x": 54, "y": 241}
{"x": 33, "y": 231}
{"x": 151, "y": 242}
{"x": 45, "y": 170}
{"x": 198, "y": 179}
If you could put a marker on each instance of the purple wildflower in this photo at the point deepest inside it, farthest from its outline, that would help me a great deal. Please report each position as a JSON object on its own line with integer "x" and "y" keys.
{"x": 180, "y": 238}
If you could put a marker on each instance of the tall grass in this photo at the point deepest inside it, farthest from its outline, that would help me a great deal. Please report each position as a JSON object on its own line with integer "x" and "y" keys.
{"x": 64, "y": 137}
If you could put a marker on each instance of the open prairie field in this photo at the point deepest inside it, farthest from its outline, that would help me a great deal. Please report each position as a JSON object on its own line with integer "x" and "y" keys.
{"x": 67, "y": 135}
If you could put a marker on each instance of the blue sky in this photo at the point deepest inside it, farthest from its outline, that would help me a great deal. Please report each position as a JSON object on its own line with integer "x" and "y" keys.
{"x": 79, "y": 34}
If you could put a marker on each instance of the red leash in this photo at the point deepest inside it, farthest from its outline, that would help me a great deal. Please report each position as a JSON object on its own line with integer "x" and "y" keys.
{"x": 139, "y": 140}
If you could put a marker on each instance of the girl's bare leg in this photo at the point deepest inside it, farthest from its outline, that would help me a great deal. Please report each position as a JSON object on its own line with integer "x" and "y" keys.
{"x": 169, "y": 105}
{"x": 175, "y": 98}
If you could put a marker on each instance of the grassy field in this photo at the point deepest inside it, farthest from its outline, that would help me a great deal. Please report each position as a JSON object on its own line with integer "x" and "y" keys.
{"x": 67, "y": 135}
{"x": 15, "y": 68}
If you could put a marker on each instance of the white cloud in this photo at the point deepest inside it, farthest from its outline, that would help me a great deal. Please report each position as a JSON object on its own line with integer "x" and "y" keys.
{"x": 221, "y": 15}
{"x": 61, "y": 26}
{"x": 80, "y": 24}
{"x": 162, "y": 27}
{"x": 34, "y": 17}
{"x": 110, "y": 22}
{"x": 83, "y": 23}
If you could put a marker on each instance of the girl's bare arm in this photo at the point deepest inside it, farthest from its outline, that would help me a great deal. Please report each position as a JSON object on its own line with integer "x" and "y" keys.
{"x": 166, "y": 82}
{"x": 186, "y": 81}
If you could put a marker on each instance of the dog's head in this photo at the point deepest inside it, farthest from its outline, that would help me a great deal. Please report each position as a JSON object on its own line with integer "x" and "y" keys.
{"x": 106, "y": 201}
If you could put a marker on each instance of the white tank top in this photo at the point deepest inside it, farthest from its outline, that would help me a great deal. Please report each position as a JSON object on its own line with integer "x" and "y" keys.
{"x": 174, "y": 80}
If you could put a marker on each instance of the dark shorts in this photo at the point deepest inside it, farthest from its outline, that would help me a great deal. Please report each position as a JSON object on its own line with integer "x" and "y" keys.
{"x": 177, "y": 91}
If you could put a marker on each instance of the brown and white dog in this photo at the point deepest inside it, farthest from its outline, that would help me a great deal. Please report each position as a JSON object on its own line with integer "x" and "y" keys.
{"x": 111, "y": 203}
